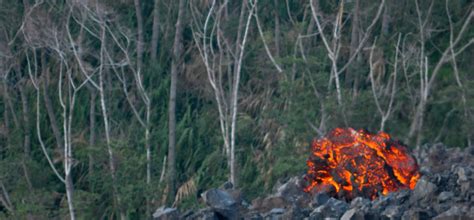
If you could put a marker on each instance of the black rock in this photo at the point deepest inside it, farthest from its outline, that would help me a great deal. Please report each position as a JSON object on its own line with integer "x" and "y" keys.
{"x": 392, "y": 212}
{"x": 337, "y": 205}
{"x": 415, "y": 214}
{"x": 164, "y": 213}
{"x": 186, "y": 214}
{"x": 227, "y": 185}
{"x": 463, "y": 174}
{"x": 401, "y": 196}
{"x": 424, "y": 190}
{"x": 292, "y": 192}
{"x": 379, "y": 204}
{"x": 360, "y": 202}
{"x": 205, "y": 214}
{"x": 275, "y": 214}
{"x": 319, "y": 199}
{"x": 253, "y": 216}
{"x": 445, "y": 196}
{"x": 221, "y": 202}
{"x": 333, "y": 208}
{"x": 353, "y": 214}
{"x": 454, "y": 212}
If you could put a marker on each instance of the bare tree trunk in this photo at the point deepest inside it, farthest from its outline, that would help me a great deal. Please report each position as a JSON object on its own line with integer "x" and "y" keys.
{"x": 351, "y": 73}
{"x": 234, "y": 93}
{"x": 277, "y": 28}
{"x": 49, "y": 105}
{"x": 27, "y": 135}
{"x": 92, "y": 120}
{"x": 236, "y": 82}
{"x": 265, "y": 44}
{"x": 6, "y": 117}
{"x": 67, "y": 110}
{"x": 26, "y": 122}
{"x": 140, "y": 42}
{"x": 24, "y": 101}
{"x": 9, "y": 105}
{"x": 175, "y": 68}
{"x": 334, "y": 49}
{"x": 138, "y": 78}
{"x": 112, "y": 166}
{"x": 384, "y": 114}
{"x": 69, "y": 194}
{"x": 386, "y": 19}
{"x": 155, "y": 31}
{"x": 5, "y": 199}
{"x": 148, "y": 153}
{"x": 214, "y": 61}
{"x": 426, "y": 79}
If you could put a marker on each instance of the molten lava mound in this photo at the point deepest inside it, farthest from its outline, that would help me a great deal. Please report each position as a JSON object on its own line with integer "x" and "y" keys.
{"x": 349, "y": 163}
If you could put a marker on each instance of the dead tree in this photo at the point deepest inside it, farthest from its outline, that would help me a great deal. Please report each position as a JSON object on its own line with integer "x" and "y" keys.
{"x": 218, "y": 70}
{"x": 155, "y": 31}
{"x": 176, "y": 64}
{"x": 86, "y": 71}
{"x": 333, "y": 47}
{"x": 427, "y": 77}
{"x": 378, "y": 88}
{"x": 67, "y": 101}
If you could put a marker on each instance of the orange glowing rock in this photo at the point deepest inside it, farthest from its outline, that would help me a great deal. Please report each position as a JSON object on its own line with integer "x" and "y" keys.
{"x": 348, "y": 163}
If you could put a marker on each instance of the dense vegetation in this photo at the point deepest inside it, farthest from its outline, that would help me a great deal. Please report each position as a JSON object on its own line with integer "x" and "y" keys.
{"x": 113, "y": 108}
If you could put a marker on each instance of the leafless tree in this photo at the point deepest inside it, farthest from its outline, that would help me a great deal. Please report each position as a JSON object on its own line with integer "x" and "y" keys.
{"x": 277, "y": 33}
{"x": 176, "y": 66}
{"x": 97, "y": 16}
{"x": 378, "y": 87}
{"x": 333, "y": 48}
{"x": 67, "y": 101}
{"x": 126, "y": 72}
{"x": 5, "y": 199}
{"x": 155, "y": 30}
{"x": 427, "y": 77}
{"x": 218, "y": 68}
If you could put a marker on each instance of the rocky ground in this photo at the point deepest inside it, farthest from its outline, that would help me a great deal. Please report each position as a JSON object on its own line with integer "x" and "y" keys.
{"x": 445, "y": 191}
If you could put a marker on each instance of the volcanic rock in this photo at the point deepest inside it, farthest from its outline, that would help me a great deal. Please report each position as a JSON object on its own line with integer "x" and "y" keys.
{"x": 333, "y": 208}
{"x": 227, "y": 185}
{"x": 164, "y": 213}
{"x": 424, "y": 190}
{"x": 319, "y": 199}
{"x": 380, "y": 203}
{"x": 444, "y": 191}
{"x": 445, "y": 196}
{"x": 205, "y": 214}
{"x": 454, "y": 212}
{"x": 275, "y": 213}
{"x": 463, "y": 174}
{"x": 353, "y": 214}
{"x": 392, "y": 212}
{"x": 292, "y": 192}
{"x": 360, "y": 203}
{"x": 415, "y": 214}
{"x": 264, "y": 205}
{"x": 221, "y": 202}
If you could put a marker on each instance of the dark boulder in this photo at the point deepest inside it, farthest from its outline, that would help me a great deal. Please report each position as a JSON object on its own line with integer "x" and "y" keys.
{"x": 164, "y": 213}
{"x": 221, "y": 202}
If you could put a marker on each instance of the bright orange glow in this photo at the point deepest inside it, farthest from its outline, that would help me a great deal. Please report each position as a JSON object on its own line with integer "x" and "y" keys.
{"x": 350, "y": 163}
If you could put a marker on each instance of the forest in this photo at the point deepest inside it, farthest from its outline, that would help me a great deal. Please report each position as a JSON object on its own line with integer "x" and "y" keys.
{"x": 113, "y": 108}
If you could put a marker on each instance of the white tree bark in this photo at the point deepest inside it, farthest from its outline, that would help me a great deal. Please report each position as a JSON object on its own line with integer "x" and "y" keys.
{"x": 426, "y": 79}
{"x": 333, "y": 51}
{"x": 227, "y": 101}
{"x": 384, "y": 114}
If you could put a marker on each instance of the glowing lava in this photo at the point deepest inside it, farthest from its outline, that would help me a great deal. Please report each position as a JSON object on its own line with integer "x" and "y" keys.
{"x": 349, "y": 163}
